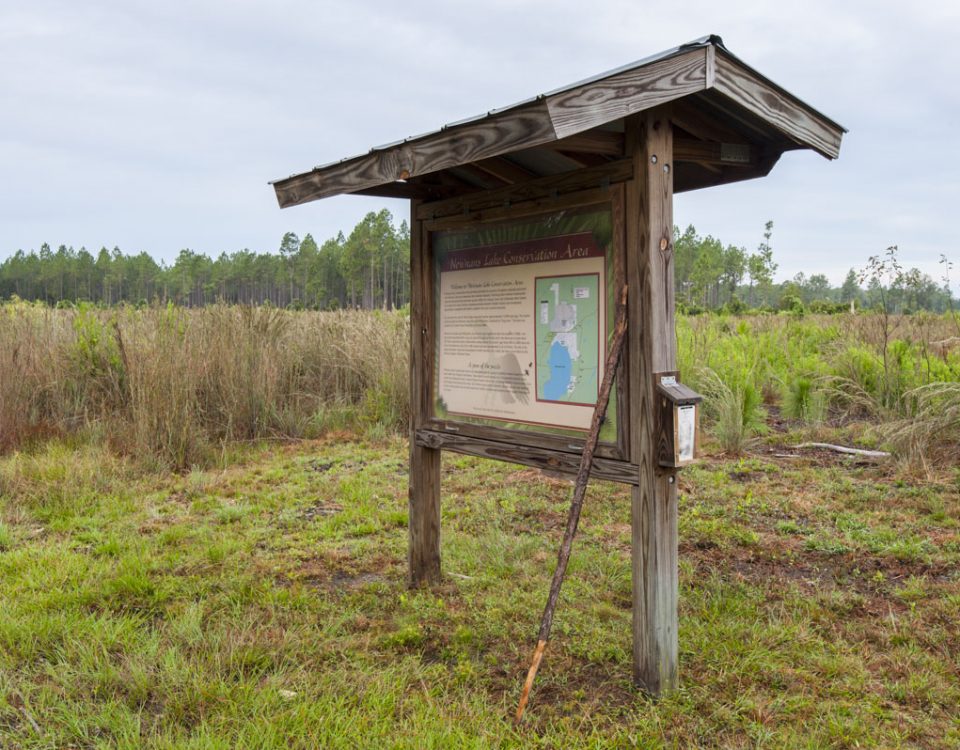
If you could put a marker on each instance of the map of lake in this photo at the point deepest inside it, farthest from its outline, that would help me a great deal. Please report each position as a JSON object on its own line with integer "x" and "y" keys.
{"x": 567, "y": 338}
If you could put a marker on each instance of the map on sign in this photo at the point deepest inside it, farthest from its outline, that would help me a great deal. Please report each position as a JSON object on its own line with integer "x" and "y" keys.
{"x": 567, "y": 338}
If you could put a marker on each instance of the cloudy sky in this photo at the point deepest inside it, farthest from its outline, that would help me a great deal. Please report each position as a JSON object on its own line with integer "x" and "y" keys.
{"x": 156, "y": 126}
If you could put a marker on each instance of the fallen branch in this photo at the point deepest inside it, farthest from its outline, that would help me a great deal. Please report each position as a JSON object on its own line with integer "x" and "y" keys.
{"x": 580, "y": 489}
{"x": 844, "y": 449}
{"x": 20, "y": 704}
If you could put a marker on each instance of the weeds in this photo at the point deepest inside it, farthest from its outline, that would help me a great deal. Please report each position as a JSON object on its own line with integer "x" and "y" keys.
{"x": 734, "y": 411}
{"x": 175, "y": 386}
{"x": 267, "y": 606}
{"x": 804, "y": 401}
{"x": 932, "y": 431}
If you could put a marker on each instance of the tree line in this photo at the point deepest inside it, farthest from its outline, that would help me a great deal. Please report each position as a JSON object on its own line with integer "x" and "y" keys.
{"x": 712, "y": 276}
{"x": 370, "y": 268}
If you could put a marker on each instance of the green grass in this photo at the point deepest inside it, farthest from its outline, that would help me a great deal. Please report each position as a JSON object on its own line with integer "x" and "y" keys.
{"x": 265, "y": 605}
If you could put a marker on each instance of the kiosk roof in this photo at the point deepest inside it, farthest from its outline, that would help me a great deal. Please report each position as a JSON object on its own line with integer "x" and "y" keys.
{"x": 732, "y": 124}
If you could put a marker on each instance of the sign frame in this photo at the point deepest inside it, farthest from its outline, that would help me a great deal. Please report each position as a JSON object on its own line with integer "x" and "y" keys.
{"x": 558, "y": 450}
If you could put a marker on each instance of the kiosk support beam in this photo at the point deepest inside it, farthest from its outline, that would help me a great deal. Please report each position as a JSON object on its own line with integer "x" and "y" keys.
{"x": 424, "y": 500}
{"x": 651, "y": 349}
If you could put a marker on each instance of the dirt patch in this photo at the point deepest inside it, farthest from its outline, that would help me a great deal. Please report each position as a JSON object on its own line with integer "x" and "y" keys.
{"x": 344, "y": 580}
{"x": 536, "y": 476}
{"x": 567, "y": 687}
{"x": 538, "y": 521}
{"x": 874, "y": 579}
{"x": 336, "y": 570}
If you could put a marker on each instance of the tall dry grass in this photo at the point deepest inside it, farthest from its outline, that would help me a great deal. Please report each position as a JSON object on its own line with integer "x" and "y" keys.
{"x": 172, "y": 385}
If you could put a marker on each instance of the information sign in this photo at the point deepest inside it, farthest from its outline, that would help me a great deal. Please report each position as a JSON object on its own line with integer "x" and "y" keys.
{"x": 522, "y": 326}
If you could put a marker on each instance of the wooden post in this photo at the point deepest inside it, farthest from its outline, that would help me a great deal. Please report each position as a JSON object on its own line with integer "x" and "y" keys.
{"x": 651, "y": 349}
{"x": 424, "y": 500}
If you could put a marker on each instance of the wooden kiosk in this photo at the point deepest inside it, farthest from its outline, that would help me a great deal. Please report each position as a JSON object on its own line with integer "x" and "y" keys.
{"x": 523, "y": 223}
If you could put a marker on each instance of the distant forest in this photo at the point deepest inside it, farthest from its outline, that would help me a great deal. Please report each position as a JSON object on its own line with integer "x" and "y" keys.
{"x": 370, "y": 269}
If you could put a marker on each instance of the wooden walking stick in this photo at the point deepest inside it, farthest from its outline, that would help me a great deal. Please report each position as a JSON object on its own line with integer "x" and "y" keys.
{"x": 579, "y": 490}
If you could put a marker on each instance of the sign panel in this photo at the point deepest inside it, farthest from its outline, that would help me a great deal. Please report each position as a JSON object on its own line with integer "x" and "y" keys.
{"x": 686, "y": 432}
{"x": 522, "y": 327}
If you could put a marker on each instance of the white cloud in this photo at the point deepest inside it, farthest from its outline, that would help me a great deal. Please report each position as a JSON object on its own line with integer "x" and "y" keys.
{"x": 156, "y": 126}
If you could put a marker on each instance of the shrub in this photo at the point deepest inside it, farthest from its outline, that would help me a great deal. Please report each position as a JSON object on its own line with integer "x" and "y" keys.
{"x": 171, "y": 385}
{"x": 932, "y": 431}
{"x": 803, "y": 400}
{"x": 733, "y": 411}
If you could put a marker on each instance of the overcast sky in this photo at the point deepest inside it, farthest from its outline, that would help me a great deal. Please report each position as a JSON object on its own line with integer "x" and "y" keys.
{"x": 156, "y": 126}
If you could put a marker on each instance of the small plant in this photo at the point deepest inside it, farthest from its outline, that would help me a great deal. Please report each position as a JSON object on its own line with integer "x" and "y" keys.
{"x": 735, "y": 410}
{"x": 932, "y": 431}
{"x": 804, "y": 401}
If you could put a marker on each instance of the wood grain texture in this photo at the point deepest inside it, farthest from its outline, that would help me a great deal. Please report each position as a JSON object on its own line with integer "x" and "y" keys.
{"x": 600, "y": 142}
{"x": 424, "y": 490}
{"x": 524, "y": 127}
{"x": 528, "y": 438}
{"x": 411, "y": 191}
{"x": 711, "y": 63}
{"x": 627, "y": 93}
{"x": 619, "y": 222}
{"x": 652, "y": 349}
{"x": 692, "y": 115}
{"x": 711, "y": 152}
{"x": 539, "y": 458}
{"x": 543, "y": 188}
{"x": 582, "y": 159}
{"x": 791, "y": 117}
{"x": 506, "y": 170}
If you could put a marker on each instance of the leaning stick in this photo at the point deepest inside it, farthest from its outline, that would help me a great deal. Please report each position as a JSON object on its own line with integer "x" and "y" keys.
{"x": 580, "y": 489}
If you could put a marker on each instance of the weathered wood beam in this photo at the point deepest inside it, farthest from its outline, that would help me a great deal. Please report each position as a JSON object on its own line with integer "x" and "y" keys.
{"x": 776, "y": 107}
{"x": 652, "y": 349}
{"x": 486, "y": 179}
{"x": 506, "y": 170}
{"x": 424, "y": 493}
{"x": 604, "y": 142}
{"x": 538, "y": 440}
{"x": 689, "y": 114}
{"x": 524, "y": 127}
{"x": 584, "y": 160}
{"x": 710, "y": 152}
{"x": 413, "y": 191}
{"x": 625, "y": 93}
{"x": 542, "y": 187}
{"x": 543, "y": 121}
{"x": 539, "y": 458}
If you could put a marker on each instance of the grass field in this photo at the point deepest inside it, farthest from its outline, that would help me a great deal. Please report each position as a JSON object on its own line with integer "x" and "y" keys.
{"x": 203, "y": 545}
{"x": 264, "y": 604}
